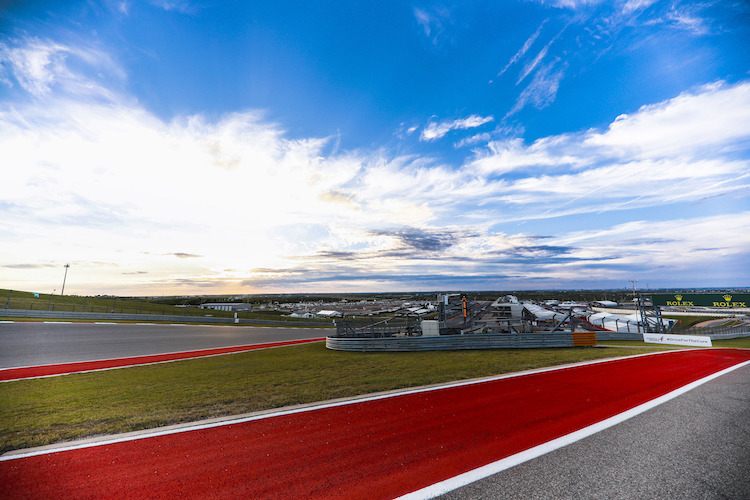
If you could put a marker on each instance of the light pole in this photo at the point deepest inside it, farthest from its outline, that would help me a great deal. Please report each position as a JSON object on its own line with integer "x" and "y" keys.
{"x": 633, "y": 282}
{"x": 62, "y": 292}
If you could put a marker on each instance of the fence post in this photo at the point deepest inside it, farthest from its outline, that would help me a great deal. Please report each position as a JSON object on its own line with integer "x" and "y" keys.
{"x": 7, "y": 306}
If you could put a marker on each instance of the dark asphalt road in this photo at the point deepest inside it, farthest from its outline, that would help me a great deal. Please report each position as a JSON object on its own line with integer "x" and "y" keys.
{"x": 33, "y": 344}
{"x": 694, "y": 446}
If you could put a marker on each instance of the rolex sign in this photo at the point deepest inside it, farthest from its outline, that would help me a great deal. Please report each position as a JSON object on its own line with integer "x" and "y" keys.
{"x": 720, "y": 300}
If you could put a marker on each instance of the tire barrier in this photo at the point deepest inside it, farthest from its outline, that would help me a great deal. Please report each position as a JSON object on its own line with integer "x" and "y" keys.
{"x": 462, "y": 342}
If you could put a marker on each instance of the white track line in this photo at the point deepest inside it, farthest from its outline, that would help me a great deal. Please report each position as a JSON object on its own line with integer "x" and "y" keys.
{"x": 506, "y": 463}
{"x": 331, "y": 404}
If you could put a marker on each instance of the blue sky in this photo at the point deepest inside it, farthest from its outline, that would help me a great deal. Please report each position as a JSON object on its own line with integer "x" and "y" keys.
{"x": 178, "y": 147}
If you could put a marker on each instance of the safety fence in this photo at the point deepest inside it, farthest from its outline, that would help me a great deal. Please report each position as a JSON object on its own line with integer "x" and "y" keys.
{"x": 462, "y": 342}
{"x": 389, "y": 328}
{"x": 66, "y": 315}
{"x": 730, "y": 332}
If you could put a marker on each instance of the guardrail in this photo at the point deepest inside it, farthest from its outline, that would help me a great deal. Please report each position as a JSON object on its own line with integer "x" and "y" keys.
{"x": 618, "y": 336}
{"x": 24, "y": 313}
{"x": 731, "y": 332}
{"x": 461, "y": 342}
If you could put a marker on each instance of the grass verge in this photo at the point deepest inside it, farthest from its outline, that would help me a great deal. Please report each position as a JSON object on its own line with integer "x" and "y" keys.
{"x": 44, "y": 411}
{"x": 743, "y": 342}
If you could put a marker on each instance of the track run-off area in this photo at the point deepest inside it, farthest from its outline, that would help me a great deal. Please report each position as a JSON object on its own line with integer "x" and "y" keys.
{"x": 420, "y": 442}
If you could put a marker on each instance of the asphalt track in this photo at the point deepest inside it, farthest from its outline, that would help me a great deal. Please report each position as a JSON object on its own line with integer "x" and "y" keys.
{"x": 10, "y": 374}
{"x": 381, "y": 448}
{"x": 36, "y": 344}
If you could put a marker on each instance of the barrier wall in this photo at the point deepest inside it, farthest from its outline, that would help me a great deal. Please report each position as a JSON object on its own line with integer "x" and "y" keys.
{"x": 462, "y": 342}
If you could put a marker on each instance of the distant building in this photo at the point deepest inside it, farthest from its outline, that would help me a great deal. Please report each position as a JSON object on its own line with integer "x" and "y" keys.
{"x": 302, "y": 315}
{"x": 604, "y": 303}
{"x": 227, "y": 306}
{"x": 329, "y": 314}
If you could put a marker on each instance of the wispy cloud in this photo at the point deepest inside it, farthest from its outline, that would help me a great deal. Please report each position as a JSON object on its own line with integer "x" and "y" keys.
{"x": 39, "y": 65}
{"x": 473, "y": 140}
{"x": 688, "y": 19}
{"x": 434, "y": 23}
{"x": 184, "y": 255}
{"x": 542, "y": 89}
{"x": 524, "y": 48}
{"x": 636, "y": 5}
{"x": 437, "y": 130}
{"x": 181, "y": 6}
{"x": 29, "y": 266}
{"x": 572, "y": 4}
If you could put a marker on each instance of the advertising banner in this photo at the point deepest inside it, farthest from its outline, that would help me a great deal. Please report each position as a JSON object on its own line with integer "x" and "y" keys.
{"x": 719, "y": 300}
{"x": 665, "y": 338}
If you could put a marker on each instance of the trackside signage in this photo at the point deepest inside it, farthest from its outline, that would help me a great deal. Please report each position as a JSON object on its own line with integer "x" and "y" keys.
{"x": 720, "y": 300}
{"x": 689, "y": 340}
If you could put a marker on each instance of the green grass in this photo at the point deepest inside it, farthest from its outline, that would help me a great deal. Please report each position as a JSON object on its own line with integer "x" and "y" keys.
{"x": 743, "y": 342}
{"x": 635, "y": 343}
{"x": 43, "y": 411}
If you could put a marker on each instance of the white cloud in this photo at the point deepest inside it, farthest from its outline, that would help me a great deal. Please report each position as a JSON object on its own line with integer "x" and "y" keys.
{"x": 711, "y": 243}
{"x": 714, "y": 116}
{"x": 437, "y": 130}
{"x": 119, "y": 193}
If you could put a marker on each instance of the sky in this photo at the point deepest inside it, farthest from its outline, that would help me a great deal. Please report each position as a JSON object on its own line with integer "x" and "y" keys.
{"x": 177, "y": 147}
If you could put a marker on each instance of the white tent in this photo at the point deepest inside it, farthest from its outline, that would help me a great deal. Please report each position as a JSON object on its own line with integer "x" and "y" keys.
{"x": 543, "y": 314}
{"x": 615, "y": 322}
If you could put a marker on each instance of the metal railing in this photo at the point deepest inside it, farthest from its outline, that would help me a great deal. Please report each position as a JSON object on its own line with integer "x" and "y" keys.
{"x": 726, "y": 332}
{"x": 371, "y": 329}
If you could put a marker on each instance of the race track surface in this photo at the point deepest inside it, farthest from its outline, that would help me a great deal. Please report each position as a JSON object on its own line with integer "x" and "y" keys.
{"x": 36, "y": 344}
{"x": 380, "y": 448}
{"x": 10, "y": 374}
